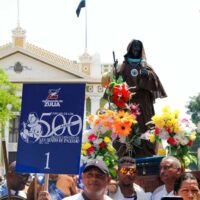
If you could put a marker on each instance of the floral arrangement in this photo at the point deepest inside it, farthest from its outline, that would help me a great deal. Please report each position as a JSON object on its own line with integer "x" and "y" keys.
{"x": 119, "y": 93}
{"x": 179, "y": 134}
{"x": 103, "y": 129}
{"x": 119, "y": 98}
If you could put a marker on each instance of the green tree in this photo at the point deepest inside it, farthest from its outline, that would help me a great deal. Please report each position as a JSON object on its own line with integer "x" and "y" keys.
{"x": 193, "y": 108}
{"x": 9, "y": 102}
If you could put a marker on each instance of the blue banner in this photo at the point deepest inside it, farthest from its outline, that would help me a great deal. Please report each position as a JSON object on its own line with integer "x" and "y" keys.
{"x": 50, "y": 130}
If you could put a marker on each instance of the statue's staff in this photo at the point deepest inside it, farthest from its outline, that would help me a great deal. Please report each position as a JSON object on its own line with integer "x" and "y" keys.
{"x": 115, "y": 63}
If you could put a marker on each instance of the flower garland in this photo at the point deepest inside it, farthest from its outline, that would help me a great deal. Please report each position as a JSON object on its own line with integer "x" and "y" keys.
{"x": 103, "y": 129}
{"x": 178, "y": 133}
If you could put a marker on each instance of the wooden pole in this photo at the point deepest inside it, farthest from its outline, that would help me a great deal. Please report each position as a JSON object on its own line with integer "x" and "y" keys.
{"x": 46, "y": 182}
{"x": 35, "y": 187}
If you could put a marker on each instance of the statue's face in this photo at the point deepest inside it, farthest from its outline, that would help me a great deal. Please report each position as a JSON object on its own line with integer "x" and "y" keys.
{"x": 136, "y": 49}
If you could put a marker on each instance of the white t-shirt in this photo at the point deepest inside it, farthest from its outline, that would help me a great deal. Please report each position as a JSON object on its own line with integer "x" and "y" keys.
{"x": 139, "y": 192}
{"x": 80, "y": 197}
{"x": 160, "y": 192}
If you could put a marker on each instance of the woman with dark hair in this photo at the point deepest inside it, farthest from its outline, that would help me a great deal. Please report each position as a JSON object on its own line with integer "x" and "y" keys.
{"x": 187, "y": 187}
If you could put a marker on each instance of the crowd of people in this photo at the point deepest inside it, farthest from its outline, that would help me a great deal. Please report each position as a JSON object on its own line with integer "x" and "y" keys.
{"x": 98, "y": 185}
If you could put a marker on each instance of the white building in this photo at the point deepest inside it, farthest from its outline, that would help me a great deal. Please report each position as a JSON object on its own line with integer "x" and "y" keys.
{"x": 26, "y": 63}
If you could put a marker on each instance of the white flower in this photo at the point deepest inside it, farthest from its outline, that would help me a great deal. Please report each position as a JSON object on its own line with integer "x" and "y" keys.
{"x": 122, "y": 139}
{"x": 177, "y": 138}
{"x": 85, "y": 135}
{"x": 98, "y": 141}
{"x": 181, "y": 139}
{"x": 164, "y": 134}
{"x": 99, "y": 157}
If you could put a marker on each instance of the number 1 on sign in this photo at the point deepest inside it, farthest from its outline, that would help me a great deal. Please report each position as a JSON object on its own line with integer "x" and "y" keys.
{"x": 47, "y": 160}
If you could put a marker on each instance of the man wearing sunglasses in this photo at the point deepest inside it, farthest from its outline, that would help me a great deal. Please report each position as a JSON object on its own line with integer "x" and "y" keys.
{"x": 126, "y": 188}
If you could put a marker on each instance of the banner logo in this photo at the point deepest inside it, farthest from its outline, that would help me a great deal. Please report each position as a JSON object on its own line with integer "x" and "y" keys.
{"x": 64, "y": 128}
{"x": 52, "y": 99}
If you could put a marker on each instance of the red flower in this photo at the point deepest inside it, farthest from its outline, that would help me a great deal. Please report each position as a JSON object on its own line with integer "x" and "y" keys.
{"x": 169, "y": 130}
{"x": 92, "y": 137}
{"x": 102, "y": 145}
{"x": 172, "y": 141}
{"x": 157, "y": 131}
{"x": 190, "y": 143}
{"x": 121, "y": 95}
{"x": 90, "y": 150}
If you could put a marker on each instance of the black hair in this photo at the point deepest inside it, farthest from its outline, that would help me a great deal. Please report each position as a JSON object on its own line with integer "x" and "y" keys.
{"x": 182, "y": 178}
{"x": 126, "y": 159}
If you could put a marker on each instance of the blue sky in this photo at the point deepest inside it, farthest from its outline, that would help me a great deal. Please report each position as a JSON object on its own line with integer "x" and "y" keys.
{"x": 169, "y": 30}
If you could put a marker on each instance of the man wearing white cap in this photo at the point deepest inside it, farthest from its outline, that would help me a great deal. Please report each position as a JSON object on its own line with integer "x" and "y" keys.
{"x": 95, "y": 178}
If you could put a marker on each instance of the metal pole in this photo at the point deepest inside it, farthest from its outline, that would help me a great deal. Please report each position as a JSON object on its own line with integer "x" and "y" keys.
{"x": 85, "y": 26}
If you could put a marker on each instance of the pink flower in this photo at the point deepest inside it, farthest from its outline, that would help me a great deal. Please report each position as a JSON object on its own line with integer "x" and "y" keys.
{"x": 134, "y": 109}
{"x": 185, "y": 121}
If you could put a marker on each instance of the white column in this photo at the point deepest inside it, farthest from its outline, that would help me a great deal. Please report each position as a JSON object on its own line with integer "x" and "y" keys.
{"x": 84, "y": 116}
{"x": 6, "y": 134}
{"x": 95, "y": 104}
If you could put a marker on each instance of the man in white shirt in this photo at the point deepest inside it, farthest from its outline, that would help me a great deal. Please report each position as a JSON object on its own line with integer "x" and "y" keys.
{"x": 95, "y": 178}
{"x": 126, "y": 188}
{"x": 170, "y": 170}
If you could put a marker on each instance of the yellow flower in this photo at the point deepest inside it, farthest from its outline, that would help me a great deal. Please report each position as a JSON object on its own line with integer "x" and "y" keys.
{"x": 166, "y": 109}
{"x": 84, "y": 152}
{"x": 152, "y": 138}
{"x": 110, "y": 148}
{"x": 125, "y": 116}
{"x": 86, "y": 146}
{"x": 176, "y": 113}
{"x": 161, "y": 152}
{"x": 158, "y": 121}
{"x": 177, "y": 129}
{"x": 169, "y": 124}
{"x": 107, "y": 139}
{"x": 193, "y": 136}
{"x": 166, "y": 116}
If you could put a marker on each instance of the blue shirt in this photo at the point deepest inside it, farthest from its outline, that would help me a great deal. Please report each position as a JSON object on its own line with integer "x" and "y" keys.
{"x": 54, "y": 192}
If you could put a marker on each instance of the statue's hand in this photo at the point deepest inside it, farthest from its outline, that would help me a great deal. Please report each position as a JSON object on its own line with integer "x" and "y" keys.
{"x": 144, "y": 72}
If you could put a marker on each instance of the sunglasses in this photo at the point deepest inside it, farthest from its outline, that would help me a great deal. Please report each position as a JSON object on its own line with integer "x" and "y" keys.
{"x": 125, "y": 170}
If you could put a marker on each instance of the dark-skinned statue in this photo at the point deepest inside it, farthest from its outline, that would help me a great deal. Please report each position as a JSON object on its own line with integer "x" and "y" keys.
{"x": 146, "y": 86}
